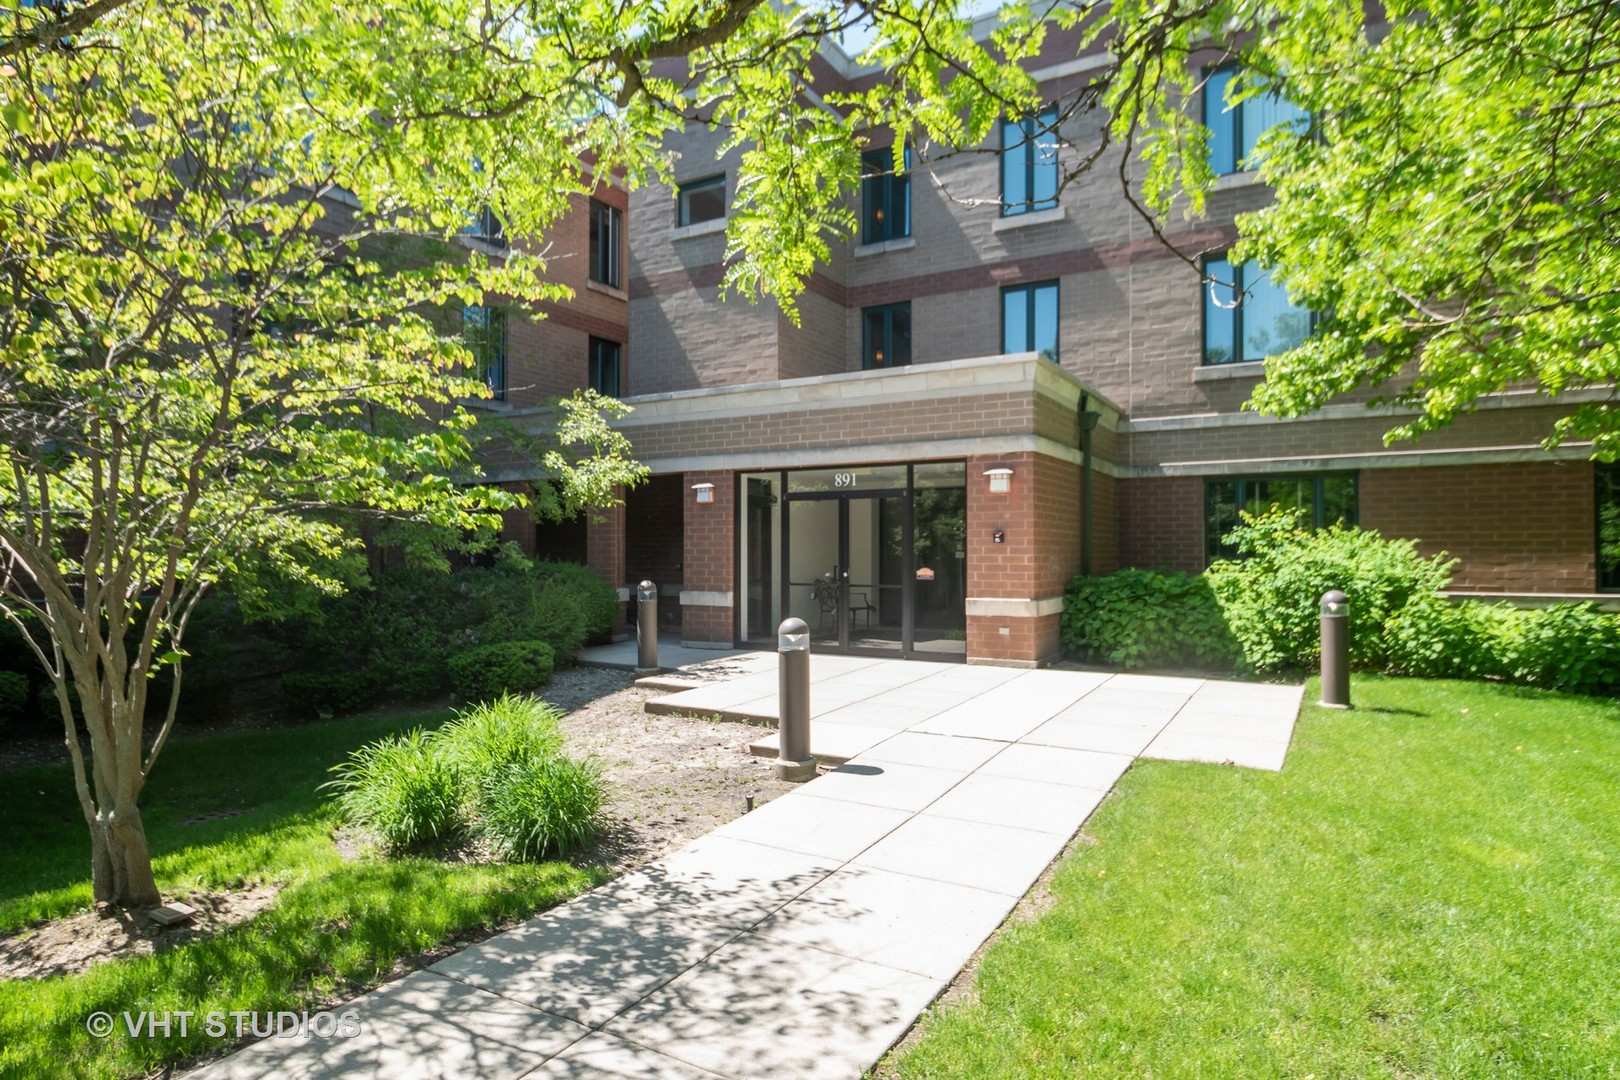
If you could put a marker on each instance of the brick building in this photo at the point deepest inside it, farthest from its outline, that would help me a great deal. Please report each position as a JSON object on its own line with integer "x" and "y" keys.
{"x": 995, "y": 388}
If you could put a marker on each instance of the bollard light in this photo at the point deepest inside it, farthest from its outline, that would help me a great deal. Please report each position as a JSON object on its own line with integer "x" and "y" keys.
{"x": 646, "y": 628}
{"x": 793, "y": 758}
{"x": 1335, "y": 650}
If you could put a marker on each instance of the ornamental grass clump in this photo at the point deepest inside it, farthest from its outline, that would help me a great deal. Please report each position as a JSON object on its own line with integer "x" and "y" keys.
{"x": 496, "y": 772}
{"x": 402, "y": 789}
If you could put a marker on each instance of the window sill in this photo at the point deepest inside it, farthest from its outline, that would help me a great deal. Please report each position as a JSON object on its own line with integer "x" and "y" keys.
{"x": 489, "y": 405}
{"x": 904, "y": 243}
{"x": 606, "y": 290}
{"x": 1232, "y": 181}
{"x": 702, "y": 228}
{"x": 1029, "y": 220}
{"x": 494, "y": 248}
{"x": 1247, "y": 369}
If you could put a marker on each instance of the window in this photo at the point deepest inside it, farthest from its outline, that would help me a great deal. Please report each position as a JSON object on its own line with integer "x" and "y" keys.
{"x": 604, "y": 364}
{"x": 1234, "y": 129}
{"x": 1325, "y": 500}
{"x": 1247, "y": 316}
{"x": 701, "y": 200}
{"x": 886, "y": 336}
{"x": 885, "y": 197}
{"x": 605, "y": 244}
{"x": 1608, "y": 526}
{"x": 1029, "y": 319}
{"x": 1029, "y": 163}
{"x": 486, "y": 227}
{"x": 483, "y": 330}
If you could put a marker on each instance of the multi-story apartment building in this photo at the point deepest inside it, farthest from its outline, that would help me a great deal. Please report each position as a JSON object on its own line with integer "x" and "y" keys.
{"x": 996, "y": 387}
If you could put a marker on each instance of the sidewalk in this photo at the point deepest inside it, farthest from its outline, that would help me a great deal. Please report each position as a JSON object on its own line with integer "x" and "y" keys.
{"x": 803, "y": 939}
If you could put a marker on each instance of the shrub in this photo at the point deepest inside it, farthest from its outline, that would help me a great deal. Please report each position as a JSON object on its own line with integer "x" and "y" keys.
{"x": 598, "y": 599}
{"x": 549, "y": 805}
{"x": 13, "y": 696}
{"x": 402, "y": 789}
{"x": 510, "y": 730}
{"x": 1571, "y": 647}
{"x": 490, "y": 671}
{"x": 1270, "y": 598}
{"x": 1435, "y": 638}
{"x": 334, "y": 690}
{"x": 1143, "y": 618}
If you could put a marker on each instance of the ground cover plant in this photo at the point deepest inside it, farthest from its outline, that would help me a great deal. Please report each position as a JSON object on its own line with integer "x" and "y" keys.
{"x": 233, "y": 810}
{"x": 1429, "y": 888}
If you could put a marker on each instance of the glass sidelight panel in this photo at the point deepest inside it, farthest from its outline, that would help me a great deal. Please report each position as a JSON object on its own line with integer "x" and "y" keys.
{"x": 939, "y": 557}
{"x": 875, "y": 591}
{"x": 760, "y": 555}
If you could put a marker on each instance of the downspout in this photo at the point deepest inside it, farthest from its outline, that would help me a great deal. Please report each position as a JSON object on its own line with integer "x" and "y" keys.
{"x": 1088, "y": 423}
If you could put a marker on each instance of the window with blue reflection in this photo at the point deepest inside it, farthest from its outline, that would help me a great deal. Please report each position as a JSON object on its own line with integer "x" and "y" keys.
{"x": 1029, "y": 163}
{"x": 1029, "y": 319}
{"x": 1234, "y": 130}
{"x": 1247, "y": 316}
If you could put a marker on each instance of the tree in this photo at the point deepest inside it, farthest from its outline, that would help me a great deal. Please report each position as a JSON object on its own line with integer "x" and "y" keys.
{"x": 228, "y": 328}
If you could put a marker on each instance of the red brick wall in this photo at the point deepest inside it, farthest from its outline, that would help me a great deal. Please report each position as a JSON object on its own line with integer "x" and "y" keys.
{"x": 1040, "y": 518}
{"x": 709, "y": 550}
{"x": 1104, "y": 524}
{"x": 1161, "y": 523}
{"x": 1516, "y": 528}
{"x": 654, "y": 544}
{"x": 604, "y": 551}
{"x": 517, "y": 527}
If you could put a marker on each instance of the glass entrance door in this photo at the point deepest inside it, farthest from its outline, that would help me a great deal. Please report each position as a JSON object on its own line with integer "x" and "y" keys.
{"x": 846, "y": 572}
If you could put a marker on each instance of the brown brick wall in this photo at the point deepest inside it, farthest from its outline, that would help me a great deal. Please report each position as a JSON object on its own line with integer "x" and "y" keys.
{"x": 709, "y": 551}
{"x": 1104, "y": 524}
{"x": 1161, "y": 523}
{"x": 1009, "y": 569}
{"x": 1516, "y": 528}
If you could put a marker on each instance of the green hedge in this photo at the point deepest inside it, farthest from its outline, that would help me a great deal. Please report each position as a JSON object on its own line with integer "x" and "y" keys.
{"x": 396, "y": 636}
{"x": 492, "y": 671}
{"x": 1260, "y": 615}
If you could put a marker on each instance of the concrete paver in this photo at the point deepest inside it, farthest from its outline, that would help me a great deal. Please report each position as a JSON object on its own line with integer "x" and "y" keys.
{"x": 802, "y": 939}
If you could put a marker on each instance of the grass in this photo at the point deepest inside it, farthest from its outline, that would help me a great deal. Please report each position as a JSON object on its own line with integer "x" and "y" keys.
{"x": 336, "y": 927}
{"x": 1430, "y": 888}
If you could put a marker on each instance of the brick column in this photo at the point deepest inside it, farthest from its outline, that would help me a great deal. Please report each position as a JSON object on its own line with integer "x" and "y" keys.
{"x": 517, "y": 526}
{"x": 1015, "y": 588}
{"x": 708, "y": 577}
{"x": 604, "y": 553}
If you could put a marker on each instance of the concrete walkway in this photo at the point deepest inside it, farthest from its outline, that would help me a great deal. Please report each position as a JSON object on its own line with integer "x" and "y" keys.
{"x": 803, "y": 939}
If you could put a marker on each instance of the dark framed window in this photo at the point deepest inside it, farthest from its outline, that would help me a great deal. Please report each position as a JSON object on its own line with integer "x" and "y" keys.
{"x": 1326, "y": 499}
{"x": 486, "y": 226}
{"x": 1247, "y": 316}
{"x": 886, "y": 336}
{"x": 483, "y": 330}
{"x": 885, "y": 197}
{"x": 1608, "y": 526}
{"x": 1029, "y": 163}
{"x": 604, "y": 364}
{"x": 701, "y": 200}
{"x": 606, "y": 242}
{"x": 1235, "y": 129}
{"x": 1029, "y": 319}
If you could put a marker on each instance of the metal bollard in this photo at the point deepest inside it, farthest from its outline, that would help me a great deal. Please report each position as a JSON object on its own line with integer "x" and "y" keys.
{"x": 646, "y": 628}
{"x": 1335, "y": 650}
{"x": 793, "y": 758}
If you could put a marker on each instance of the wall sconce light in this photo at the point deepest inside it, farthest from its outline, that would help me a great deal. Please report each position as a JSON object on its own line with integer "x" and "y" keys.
{"x": 705, "y": 492}
{"x": 1000, "y": 480}
{"x": 877, "y": 357}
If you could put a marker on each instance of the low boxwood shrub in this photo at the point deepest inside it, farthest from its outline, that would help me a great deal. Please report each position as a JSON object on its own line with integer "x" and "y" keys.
{"x": 489, "y": 671}
{"x": 549, "y": 806}
{"x": 1145, "y": 618}
{"x": 402, "y": 789}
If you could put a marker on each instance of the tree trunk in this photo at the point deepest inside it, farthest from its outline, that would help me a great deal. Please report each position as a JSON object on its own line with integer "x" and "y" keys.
{"x": 120, "y": 861}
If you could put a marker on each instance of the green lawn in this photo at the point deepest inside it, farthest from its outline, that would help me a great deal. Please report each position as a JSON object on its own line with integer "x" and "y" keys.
{"x": 336, "y": 926}
{"x": 1431, "y": 888}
